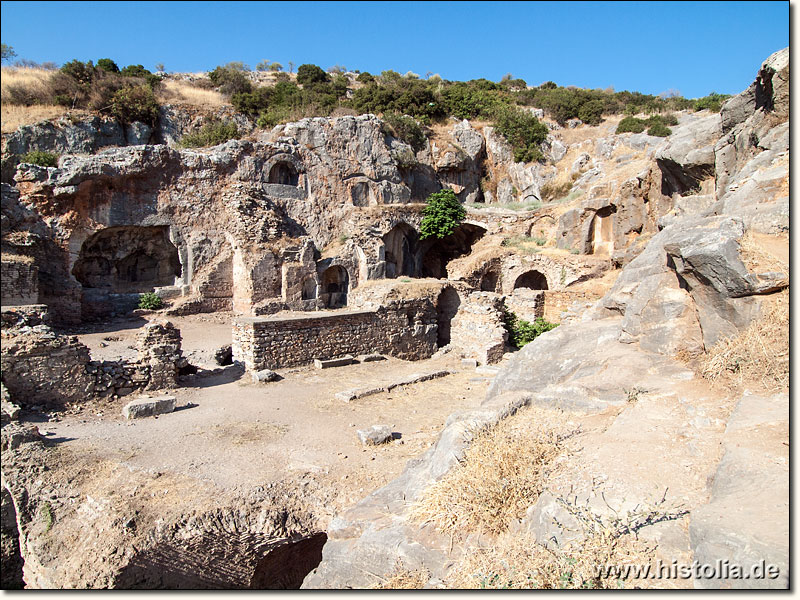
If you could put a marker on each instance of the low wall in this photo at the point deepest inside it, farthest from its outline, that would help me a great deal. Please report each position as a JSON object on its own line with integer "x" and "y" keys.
{"x": 406, "y": 329}
{"x": 40, "y": 367}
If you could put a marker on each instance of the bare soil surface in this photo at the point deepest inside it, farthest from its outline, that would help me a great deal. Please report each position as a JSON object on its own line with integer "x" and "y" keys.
{"x": 238, "y": 434}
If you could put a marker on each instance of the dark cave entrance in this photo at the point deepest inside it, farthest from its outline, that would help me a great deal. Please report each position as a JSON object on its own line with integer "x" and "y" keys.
{"x": 437, "y": 253}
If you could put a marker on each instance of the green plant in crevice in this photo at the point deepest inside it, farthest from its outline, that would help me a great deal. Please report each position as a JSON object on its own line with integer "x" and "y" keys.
{"x": 522, "y": 332}
{"x": 150, "y": 301}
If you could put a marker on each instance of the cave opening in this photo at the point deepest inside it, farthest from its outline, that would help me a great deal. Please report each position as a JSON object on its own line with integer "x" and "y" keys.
{"x": 437, "y": 253}
{"x": 400, "y": 249}
{"x": 130, "y": 259}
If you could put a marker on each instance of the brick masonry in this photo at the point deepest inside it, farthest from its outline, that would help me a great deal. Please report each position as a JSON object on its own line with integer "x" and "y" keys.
{"x": 406, "y": 329}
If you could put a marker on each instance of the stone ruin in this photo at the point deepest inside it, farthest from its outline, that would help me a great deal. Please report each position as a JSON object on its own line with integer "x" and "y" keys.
{"x": 308, "y": 235}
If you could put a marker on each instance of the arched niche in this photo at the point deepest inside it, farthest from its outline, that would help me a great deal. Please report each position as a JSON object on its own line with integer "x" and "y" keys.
{"x": 400, "y": 248}
{"x": 335, "y": 283}
{"x": 532, "y": 280}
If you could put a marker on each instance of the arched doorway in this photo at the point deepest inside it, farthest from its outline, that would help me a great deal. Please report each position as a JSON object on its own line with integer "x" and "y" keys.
{"x": 446, "y": 308}
{"x": 400, "y": 251}
{"x": 533, "y": 280}
{"x": 335, "y": 285}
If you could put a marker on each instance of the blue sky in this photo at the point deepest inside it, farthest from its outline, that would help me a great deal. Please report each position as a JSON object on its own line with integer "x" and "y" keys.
{"x": 694, "y": 47}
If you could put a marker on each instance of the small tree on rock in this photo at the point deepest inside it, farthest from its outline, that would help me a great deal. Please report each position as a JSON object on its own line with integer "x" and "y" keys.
{"x": 442, "y": 215}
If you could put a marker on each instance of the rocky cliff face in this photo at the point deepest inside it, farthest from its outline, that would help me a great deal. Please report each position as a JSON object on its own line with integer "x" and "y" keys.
{"x": 686, "y": 290}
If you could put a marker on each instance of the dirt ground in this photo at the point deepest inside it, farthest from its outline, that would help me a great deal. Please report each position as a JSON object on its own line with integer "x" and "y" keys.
{"x": 238, "y": 434}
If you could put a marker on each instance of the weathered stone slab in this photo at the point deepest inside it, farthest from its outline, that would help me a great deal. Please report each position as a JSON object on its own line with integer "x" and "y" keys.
{"x": 469, "y": 363}
{"x": 334, "y": 362}
{"x": 375, "y": 435}
{"x": 149, "y": 407}
{"x": 417, "y": 378}
{"x": 364, "y": 358}
{"x": 264, "y": 376}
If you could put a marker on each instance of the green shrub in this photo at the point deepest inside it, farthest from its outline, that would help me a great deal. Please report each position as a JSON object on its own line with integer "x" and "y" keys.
{"x": 43, "y": 159}
{"x": 150, "y": 301}
{"x": 552, "y": 191}
{"x": 591, "y": 112}
{"x": 365, "y": 77}
{"x": 712, "y": 102}
{"x": 442, "y": 215}
{"x": 230, "y": 79}
{"x": 521, "y": 332}
{"x": 632, "y": 125}
{"x": 81, "y": 72}
{"x": 107, "y": 65}
{"x": 135, "y": 103}
{"x": 659, "y": 129}
{"x": 407, "y": 129}
{"x": 523, "y": 131}
{"x": 212, "y": 133}
{"x": 311, "y": 74}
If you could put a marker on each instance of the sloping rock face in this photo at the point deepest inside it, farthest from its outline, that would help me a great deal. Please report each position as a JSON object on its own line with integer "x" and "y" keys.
{"x": 671, "y": 438}
{"x": 752, "y": 157}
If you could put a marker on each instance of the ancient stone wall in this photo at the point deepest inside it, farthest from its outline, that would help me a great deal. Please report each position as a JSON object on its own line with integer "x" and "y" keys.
{"x": 41, "y": 367}
{"x": 405, "y": 329}
{"x": 477, "y": 329}
{"x": 527, "y": 304}
{"x": 19, "y": 281}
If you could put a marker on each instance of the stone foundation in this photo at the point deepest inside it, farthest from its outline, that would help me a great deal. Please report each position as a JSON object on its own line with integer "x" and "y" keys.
{"x": 42, "y": 368}
{"x": 406, "y": 329}
{"x": 477, "y": 329}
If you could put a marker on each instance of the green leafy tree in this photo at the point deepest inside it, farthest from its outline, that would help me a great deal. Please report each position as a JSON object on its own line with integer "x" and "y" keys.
{"x": 262, "y": 66}
{"x": 442, "y": 215}
{"x": 311, "y": 74}
{"x": 275, "y": 67}
{"x": 107, "y": 65}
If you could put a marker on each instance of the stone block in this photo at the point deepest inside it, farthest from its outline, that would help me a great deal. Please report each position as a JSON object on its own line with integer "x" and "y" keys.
{"x": 375, "y": 435}
{"x": 264, "y": 376}
{"x": 148, "y": 407}
{"x": 469, "y": 363}
{"x": 364, "y": 358}
{"x": 334, "y": 362}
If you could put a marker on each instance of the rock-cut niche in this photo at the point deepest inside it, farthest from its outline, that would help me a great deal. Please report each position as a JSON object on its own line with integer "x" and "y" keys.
{"x": 400, "y": 251}
{"x": 283, "y": 173}
{"x": 128, "y": 260}
{"x": 335, "y": 285}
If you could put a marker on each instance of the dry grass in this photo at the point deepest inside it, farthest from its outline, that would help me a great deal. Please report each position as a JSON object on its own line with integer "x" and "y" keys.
{"x": 181, "y": 92}
{"x": 517, "y": 561}
{"x": 501, "y": 475}
{"x": 758, "y": 354}
{"x": 27, "y": 78}
{"x": 14, "y": 116}
{"x": 404, "y": 579}
{"x": 758, "y": 260}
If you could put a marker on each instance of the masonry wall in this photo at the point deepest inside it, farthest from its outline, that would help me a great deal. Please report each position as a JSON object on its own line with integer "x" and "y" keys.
{"x": 405, "y": 329}
{"x": 40, "y": 367}
{"x": 19, "y": 281}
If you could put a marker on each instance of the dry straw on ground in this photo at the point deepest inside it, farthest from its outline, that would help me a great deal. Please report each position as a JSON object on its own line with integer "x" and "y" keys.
{"x": 500, "y": 477}
{"x": 758, "y": 354}
{"x": 404, "y": 579}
